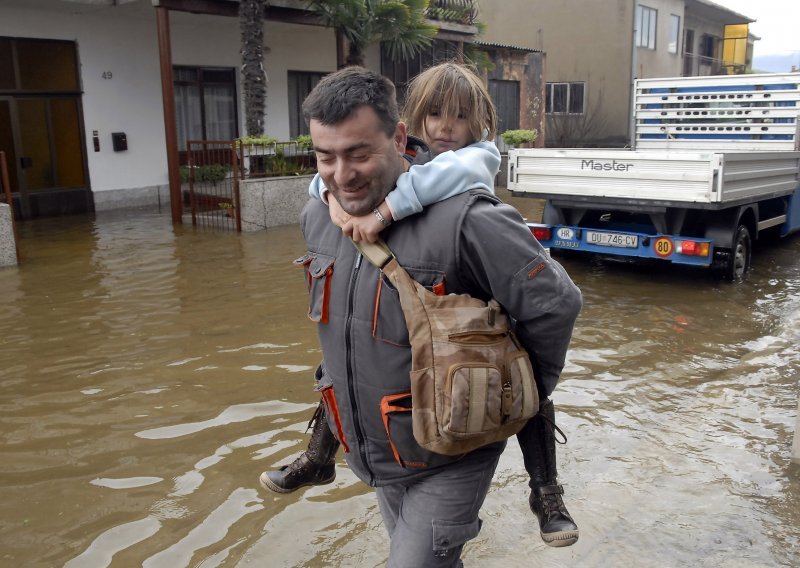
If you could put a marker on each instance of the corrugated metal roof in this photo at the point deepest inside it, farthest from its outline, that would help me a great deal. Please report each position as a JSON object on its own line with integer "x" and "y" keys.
{"x": 715, "y": 6}
{"x": 507, "y": 46}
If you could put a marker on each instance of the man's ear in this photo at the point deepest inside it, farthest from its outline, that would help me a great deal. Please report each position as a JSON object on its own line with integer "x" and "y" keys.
{"x": 400, "y": 136}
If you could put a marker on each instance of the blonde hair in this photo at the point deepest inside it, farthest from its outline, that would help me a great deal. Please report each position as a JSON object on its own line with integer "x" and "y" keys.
{"x": 450, "y": 89}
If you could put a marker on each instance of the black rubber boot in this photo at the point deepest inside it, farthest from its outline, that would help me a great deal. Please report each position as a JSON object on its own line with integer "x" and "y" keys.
{"x": 315, "y": 466}
{"x": 538, "y": 442}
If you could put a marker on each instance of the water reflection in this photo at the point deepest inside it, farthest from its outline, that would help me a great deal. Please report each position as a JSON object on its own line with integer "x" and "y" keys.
{"x": 148, "y": 374}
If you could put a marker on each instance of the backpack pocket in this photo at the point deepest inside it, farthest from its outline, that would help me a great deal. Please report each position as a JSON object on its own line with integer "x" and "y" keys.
{"x": 479, "y": 398}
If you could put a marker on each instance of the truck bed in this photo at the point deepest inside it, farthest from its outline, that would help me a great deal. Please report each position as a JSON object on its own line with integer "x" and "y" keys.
{"x": 702, "y": 180}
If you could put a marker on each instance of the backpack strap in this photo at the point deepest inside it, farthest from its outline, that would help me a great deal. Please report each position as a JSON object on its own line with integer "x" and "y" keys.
{"x": 378, "y": 253}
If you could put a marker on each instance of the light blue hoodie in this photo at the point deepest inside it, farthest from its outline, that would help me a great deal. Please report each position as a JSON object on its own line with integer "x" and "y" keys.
{"x": 448, "y": 174}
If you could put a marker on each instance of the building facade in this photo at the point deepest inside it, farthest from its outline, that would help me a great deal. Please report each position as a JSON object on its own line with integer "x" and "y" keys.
{"x": 596, "y": 49}
{"x": 82, "y": 90}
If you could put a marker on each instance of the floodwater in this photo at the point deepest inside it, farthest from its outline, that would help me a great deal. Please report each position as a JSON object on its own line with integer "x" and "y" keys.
{"x": 149, "y": 373}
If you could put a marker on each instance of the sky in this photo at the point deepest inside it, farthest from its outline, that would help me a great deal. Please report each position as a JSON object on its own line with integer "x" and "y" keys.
{"x": 777, "y": 24}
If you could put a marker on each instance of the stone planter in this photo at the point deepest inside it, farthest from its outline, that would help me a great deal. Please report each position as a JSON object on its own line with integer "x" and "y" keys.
{"x": 271, "y": 202}
{"x": 8, "y": 242}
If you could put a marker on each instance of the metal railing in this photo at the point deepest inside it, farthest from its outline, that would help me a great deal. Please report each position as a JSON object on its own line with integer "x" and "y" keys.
{"x": 700, "y": 65}
{"x": 215, "y": 167}
{"x": 211, "y": 177}
{"x": 277, "y": 159}
{"x": 455, "y": 11}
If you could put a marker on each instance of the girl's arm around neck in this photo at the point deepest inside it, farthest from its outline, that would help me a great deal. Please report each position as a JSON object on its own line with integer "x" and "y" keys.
{"x": 448, "y": 174}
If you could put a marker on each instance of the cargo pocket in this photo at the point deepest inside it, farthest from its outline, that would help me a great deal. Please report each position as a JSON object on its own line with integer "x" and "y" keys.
{"x": 388, "y": 321}
{"x": 325, "y": 388}
{"x": 449, "y": 535}
{"x": 319, "y": 272}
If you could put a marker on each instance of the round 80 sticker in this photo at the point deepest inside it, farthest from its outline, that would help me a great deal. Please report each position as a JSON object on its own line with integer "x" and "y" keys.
{"x": 663, "y": 246}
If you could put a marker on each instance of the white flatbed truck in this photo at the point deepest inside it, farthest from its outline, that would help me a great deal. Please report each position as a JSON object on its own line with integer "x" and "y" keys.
{"x": 714, "y": 165}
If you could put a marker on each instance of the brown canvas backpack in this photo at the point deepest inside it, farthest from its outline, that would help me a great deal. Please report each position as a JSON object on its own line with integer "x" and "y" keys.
{"x": 472, "y": 384}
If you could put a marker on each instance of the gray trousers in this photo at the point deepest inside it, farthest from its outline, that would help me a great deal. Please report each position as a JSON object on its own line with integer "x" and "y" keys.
{"x": 430, "y": 519}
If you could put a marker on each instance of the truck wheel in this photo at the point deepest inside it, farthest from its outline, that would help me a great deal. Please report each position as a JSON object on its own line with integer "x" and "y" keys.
{"x": 736, "y": 261}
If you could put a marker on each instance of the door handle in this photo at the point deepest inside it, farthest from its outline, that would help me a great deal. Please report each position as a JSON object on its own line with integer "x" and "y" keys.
{"x": 26, "y": 162}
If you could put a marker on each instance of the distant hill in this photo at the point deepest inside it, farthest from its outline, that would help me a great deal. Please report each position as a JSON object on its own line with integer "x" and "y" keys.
{"x": 776, "y": 63}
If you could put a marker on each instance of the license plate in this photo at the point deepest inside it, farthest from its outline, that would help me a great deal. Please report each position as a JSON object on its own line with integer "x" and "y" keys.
{"x": 612, "y": 239}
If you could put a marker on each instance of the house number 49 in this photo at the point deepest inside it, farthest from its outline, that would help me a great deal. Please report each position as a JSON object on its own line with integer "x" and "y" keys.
{"x": 106, "y": 75}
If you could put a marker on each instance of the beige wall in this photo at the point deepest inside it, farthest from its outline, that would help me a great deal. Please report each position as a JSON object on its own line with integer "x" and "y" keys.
{"x": 584, "y": 40}
{"x": 592, "y": 41}
{"x": 659, "y": 62}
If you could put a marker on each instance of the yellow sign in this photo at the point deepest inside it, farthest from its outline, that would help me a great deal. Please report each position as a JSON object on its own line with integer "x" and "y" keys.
{"x": 663, "y": 246}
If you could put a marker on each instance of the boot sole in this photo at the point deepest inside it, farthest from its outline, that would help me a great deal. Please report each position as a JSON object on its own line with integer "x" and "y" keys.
{"x": 559, "y": 539}
{"x": 267, "y": 483}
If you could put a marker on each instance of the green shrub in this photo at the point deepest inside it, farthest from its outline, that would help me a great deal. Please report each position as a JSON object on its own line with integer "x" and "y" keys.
{"x": 519, "y": 137}
{"x": 304, "y": 142}
{"x": 212, "y": 173}
{"x": 263, "y": 140}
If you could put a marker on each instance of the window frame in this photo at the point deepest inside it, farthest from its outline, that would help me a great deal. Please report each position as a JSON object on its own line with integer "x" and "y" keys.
{"x": 649, "y": 16}
{"x": 674, "y": 40}
{"x": 571, "y": 92}
{"x": 298, "y": 86}
{"x": 200, "y": 82}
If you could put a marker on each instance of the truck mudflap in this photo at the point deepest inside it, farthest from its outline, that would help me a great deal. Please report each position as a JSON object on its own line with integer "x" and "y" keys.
{"x": 672, "y": 248}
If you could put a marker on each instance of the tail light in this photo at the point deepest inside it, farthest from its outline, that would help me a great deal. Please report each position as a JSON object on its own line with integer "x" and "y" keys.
{"x": 542, "y": 233}
{"x": 692, "y": 248}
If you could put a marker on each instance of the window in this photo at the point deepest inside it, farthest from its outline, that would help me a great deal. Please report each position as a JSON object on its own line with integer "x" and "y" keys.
{"x": 38, "y": 65}
{"x": 674, "y": 33}
{"x": 564, "y": 98}
{"x": 646, "y": 19}
{"x": 403, "y": 70}
{"x": 205, "y": 104}
{"x": 708, "y": 46}
{"x": 300, "y": 84}
{"x": 505, "y": 95}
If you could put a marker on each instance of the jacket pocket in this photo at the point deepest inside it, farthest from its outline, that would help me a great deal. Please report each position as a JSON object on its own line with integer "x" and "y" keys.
{"x": 388, "y": 321}
{"x": 396, "y": 415}
{"x": 319, "y": 273}
{"x": 325, "y": 388}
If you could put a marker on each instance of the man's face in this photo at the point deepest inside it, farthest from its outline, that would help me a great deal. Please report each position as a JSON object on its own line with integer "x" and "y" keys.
{"x": 357, "y": 161}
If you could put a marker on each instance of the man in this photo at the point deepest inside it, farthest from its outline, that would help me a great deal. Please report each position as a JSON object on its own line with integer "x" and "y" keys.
{"x": 470, "y": 243}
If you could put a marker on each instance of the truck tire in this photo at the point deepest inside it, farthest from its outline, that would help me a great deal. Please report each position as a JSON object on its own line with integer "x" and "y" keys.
{"x": 733, "y": 264}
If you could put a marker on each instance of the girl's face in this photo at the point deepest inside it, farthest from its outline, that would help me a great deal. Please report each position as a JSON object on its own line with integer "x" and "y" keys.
{"x": 443, "y": 134}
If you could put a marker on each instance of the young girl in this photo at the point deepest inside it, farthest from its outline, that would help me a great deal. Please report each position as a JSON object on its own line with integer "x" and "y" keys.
{"x": 449, "y": 107}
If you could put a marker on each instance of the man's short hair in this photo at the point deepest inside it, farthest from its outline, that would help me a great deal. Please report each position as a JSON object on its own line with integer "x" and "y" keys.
{"x": 339, "y": 94}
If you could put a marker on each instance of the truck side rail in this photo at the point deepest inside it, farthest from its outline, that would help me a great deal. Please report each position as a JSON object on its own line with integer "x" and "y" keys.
{"x": 720, "y": 113}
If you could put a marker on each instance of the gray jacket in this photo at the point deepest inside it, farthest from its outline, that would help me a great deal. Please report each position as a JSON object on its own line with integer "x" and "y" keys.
{"x": 471, "y": 243}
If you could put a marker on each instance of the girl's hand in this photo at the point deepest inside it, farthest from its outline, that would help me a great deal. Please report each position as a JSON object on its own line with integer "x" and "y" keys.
{"x": 363, "y": 228}
{"x": 367, "y": 227}
{"x": 338, "y": 216}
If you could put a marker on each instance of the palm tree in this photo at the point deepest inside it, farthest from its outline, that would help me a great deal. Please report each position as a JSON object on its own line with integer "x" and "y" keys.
{"x": 254, "y": 79}
{"x": 400, "y": 24}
